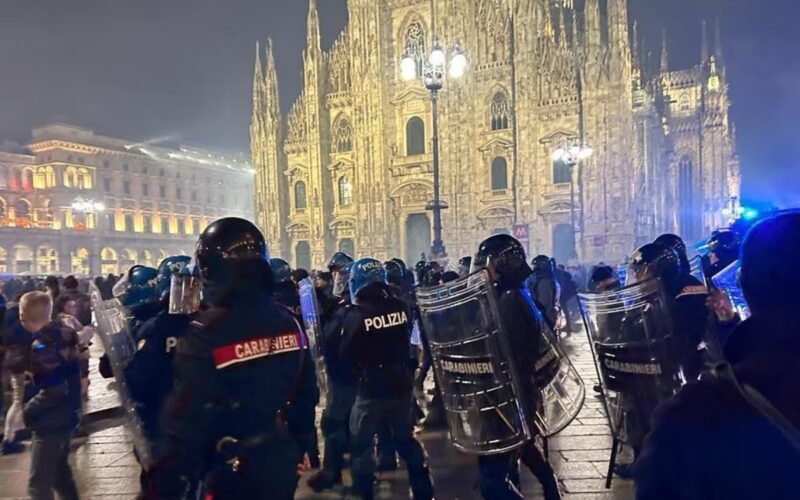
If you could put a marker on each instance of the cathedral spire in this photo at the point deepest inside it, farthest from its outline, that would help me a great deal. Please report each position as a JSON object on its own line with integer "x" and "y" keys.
{"x": 271, "y": 83}
{"x": 312, "y": 26}
{"x": 591, "y": 19}
{"x": 717, "y": 41}
{"x": 635, "y": 44}
{"x": 664, "y": 54}
{"x": 618, "y": 38}
{"x": 548, "y": 21}
{"x": 258, "y": 84}
{"x": 575, "y": 40}
{"x": 562, "y": 27}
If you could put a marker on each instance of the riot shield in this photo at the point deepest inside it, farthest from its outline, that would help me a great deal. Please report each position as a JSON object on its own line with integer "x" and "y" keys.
{"x": 727, "y": 280}
{"x": 636, "y": 352}
{"x": 112, "y": 327}
{"x": 561, "y": 389}
{"x": 480, "y": 388}
{"x": 696, "y": 269}
{"x": 311, "y": 321}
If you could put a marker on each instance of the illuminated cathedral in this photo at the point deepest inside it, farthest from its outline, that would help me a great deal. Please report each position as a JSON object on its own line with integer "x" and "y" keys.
{"x": 349, "y": 166}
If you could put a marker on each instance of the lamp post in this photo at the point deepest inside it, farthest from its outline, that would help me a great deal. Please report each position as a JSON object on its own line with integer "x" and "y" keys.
{"x": 572, "y": 153}
{"x": 435, "y": 69}
{"x": 87, "y": 207}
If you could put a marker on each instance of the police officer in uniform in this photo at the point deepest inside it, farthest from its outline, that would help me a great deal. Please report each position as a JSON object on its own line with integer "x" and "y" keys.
{"x": 504, "y": 258}
{"x": 149, "y": 373}
{"x": 284, "y": 291}
{"x": 464, "y": 265}
{"x": 376, "y": 343}
{"x": 341, "y": 394}
{"x": 687, "y": 295}
{"x": 245, "y": 388}
{"x": 723, "y": 250}
{"x": 675, "y": 242}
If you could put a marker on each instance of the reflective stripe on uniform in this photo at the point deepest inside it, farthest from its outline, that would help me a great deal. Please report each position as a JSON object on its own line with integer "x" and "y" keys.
{"x": 255, "y": 348}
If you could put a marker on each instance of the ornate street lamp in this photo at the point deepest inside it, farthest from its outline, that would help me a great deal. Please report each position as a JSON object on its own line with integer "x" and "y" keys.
{"x": 572, "y": 153}
{"x": 435, "y": 69}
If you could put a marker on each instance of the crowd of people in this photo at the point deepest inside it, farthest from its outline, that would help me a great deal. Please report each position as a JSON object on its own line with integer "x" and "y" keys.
{"x": 225, "y": 386}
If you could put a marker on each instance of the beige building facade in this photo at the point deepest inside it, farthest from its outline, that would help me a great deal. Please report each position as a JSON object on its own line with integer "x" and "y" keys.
{"x": 76, "y": 202}
{"x": 349, "y": 166}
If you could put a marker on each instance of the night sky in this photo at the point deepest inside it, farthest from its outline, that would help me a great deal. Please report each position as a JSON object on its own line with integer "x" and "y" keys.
{"x": 143, "y": 69}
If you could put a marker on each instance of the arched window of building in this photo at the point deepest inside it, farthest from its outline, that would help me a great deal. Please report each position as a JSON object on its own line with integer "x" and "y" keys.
{"x": 415, "y": 44}
{"x": 23, "y": 259}
{"x": 299, "y": 195}
{"x": 561, "y": 172}
{"x": 27, "y": 178}
{"x": 79, "y": 262}
{"x": 22, "y": 210}
{"x": 415, "y": 136}
{"x": 15, "y": 178}
{"x": 499, "y": 174}
{"x": 46, "y": 260}
{"x": 147, "y": 259}
{"x": 302, "y": 255}
{"x": 127, "y": 259}
{"x": 84, "y": 178}
{"x": 342, "y": 136}
{"x": 348, "y": 246}
{"x": 686, "y": 218}
{"x": 71, "y": 177}
{"x": 499, "y": 112}
{"x": 45, "y": 215}
{"x": 45, "y": 178}
{"x": 684, "y": 102}
{"x": 345, "y": 191}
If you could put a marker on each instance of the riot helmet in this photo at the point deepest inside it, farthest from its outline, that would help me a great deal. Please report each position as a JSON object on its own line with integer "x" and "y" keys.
{"x": 431, "y": 274}
{"x": 366, "y": 275}
{"x": 338, "y": 261}
{"x": 395, "y": 273}
{"x": 420, "y": 268}
{"x": 654, "y": 260}
{"x": 503, "y": 256}
{"x": 723, "y": 249}
{"x": 401, "y": 263}
{"x": 341, "y": 282}
{"x": 232, "y": 257}
{"x": 185, "y": 290}
{"x": 675, "y": 242}
{"x": 137, "y": 286}
{"x": 166, "y": 269}
{"x": 464, "y": 265}
{"x": 543, "y": 264}
{"x": 281, "y": 271}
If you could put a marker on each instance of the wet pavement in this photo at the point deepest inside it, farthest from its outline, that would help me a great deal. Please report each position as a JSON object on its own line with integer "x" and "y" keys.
{"x": 105, "y": 467}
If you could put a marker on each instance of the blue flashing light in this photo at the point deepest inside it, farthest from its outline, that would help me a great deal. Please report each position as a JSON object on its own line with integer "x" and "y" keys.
{"x": 749, "y": 214}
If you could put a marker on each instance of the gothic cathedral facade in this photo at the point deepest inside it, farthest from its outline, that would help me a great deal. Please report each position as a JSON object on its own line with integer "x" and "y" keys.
{"x": 349, "y": 167}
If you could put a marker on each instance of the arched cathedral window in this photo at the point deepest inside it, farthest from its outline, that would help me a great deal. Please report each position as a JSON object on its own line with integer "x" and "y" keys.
{"x": 342, "y": 136}
{"x": 415, "y": 136}
{"x": 345, "y": 191}
{"x": 499, "y": 174}
{"x": 499, "y": 112}
{"x": 300, "y": 195}
{"x": 415, "y": 43}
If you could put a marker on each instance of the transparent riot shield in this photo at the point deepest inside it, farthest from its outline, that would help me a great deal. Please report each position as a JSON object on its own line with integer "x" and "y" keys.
{"x": 696, "y": 269}
{"x": 561, "y": 389}
{"x": 727, "y": 280}
{"x": 311, "y": 321}
{"x": 636, "y": 354}
{"x": 112, "y": 327}
{"x": 480, "y": 388}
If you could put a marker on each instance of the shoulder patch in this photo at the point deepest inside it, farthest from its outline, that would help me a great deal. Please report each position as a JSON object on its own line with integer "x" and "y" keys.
{"x": 692, "y": 290}
{"x": 255, "y": 348}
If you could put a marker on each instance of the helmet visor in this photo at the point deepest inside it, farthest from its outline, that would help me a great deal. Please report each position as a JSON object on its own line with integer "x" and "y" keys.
{"x": 184, "y": 294}
{"x": 339, "y": 283}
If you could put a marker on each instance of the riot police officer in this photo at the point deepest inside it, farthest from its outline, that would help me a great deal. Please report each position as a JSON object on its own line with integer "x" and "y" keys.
{"x": 149, "y": 373}
{"x": 376, "y": 342}
{"x": 675, "y": 242}
{"x": 723, "y": 250}
{"x": 504, "y": 258}
{"x": 244, "y": 382}
{"x": 137, "y": 292}
{"x": 341, "y": 392}
{"x": 544, "y": 288}
{"x": 464, "y": 265}
{"x": 284, "y": 289}
{"x": 688, "y": 297}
